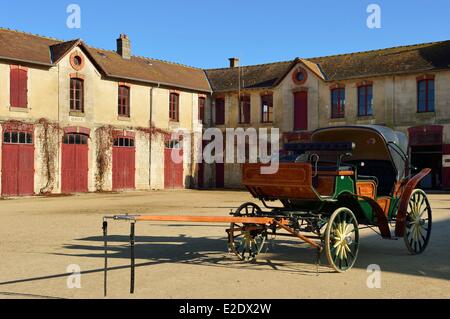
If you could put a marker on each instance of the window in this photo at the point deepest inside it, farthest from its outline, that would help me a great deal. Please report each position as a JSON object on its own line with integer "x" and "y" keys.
{"x": 173, "y": 144}
{"x": 174, "y": 107}
{"x": 338, "y": 103}
{"x": 77, "y": 60}
{"x": 267, "y": 108}
{"x": 300, "y": 76}
{"x": 17, "y": 137}
{"x": 76, "y": 95}
{"x": 124, "y": 101}
{"x": 18, "y": 87}
{"x": 425, "y": 95}
{"x": 244, "y": 109}
{"x": 201, "y": 109}
{"x": 365, "y": 100}
{"x": 123, "y": 142}
{"x": 220, "y": 111}
{"x": 75, "y": 139}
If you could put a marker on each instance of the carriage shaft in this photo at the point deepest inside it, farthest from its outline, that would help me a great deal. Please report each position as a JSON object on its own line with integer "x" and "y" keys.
{"x": 207, "y": 219}
{"x": 297, "y": 234}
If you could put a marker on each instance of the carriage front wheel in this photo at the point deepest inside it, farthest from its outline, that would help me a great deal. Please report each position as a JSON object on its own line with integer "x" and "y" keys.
{"x": 342, "y": 240}
{"x": 246, "y": 241}
{"x": 418, "y": 222}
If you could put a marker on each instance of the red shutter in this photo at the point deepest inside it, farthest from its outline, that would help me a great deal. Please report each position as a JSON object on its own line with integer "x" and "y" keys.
{"x": 247, "y": 111}
{"x": 14, "y": 87}
{"x": 23, "y": 88}
{"x": 220, "y": 111}
{"x": 300, "y": 111}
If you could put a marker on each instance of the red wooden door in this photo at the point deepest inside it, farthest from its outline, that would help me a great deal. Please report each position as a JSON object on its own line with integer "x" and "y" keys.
{"x": 220, "y": 175}
{"x": 300, "y": 111}
{"x": 17, "y": 170}
{"x": 173, "y": 172}
{"x": 74, "y": 164}
{"x": 17, "y": 163}
{"x": 124, "y": 163}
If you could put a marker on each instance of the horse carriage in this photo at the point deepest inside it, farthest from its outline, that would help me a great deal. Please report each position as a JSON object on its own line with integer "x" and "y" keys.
{"x": 347, "y": 178}
{"x": 325, "y": 191}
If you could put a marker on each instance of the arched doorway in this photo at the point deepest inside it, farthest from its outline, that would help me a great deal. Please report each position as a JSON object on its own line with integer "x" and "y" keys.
{"x": 74, "y": 162}
{"x": 124, "y": 162}
{"x": 18, "y": 160}
{"x": 173, "y": 170}
{"x": 426, "y": 152}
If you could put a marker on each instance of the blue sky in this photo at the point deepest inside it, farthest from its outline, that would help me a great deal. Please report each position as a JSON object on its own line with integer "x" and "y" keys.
{"x": 206, "y": 33}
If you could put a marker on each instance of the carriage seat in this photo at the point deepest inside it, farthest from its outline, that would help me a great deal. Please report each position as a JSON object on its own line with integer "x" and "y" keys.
{"x": 366, "y": 188}
{"x": 341, "y": 168}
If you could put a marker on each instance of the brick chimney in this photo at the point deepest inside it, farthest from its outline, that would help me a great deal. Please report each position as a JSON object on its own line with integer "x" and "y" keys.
{"x": 124, "y": 46}
{"x": 234, "y": 62}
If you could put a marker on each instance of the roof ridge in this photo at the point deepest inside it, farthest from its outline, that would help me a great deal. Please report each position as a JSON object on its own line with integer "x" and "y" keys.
{"x": 168, "y": 62}
{"x": 253, "y": 65}
{"x": 32, "y": 34}
{"x": 101, "y": 49}
{"x": 146, "y": 58}
{"x": 410, "y": 46}
{"x": 95, "y": 48}
{"x": 68, "y": 41}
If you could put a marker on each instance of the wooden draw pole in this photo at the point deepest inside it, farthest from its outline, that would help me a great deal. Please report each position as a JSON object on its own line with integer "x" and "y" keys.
{"x": 133, "y": 219}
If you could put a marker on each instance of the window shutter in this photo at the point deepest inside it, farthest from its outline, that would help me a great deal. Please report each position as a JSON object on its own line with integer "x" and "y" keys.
{"x": 23, "y": 88}
{"x": 247, "y": 111}
{"x": 177, "y": 105}
{"x": 14, "y": 87}
{"x": 220, "y": 111}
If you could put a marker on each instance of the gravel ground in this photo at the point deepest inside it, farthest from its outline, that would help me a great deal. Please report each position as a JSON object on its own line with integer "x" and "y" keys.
{"x": 41, "y": 237}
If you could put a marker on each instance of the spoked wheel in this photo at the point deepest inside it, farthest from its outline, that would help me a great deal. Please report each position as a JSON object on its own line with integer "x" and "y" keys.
{"x": 246, "y": 241}
{"x": 418, "y": 222}
{"x": 342, "y": 240}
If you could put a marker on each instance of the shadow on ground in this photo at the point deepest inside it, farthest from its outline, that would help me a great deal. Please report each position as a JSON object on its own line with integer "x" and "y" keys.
{"x": 283, "y": 255}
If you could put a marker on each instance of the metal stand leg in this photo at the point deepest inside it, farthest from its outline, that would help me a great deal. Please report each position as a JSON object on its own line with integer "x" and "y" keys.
{"x": 105, "y": 271}
{"x": 132, "y": 266}
{"x": 319, "y": 254}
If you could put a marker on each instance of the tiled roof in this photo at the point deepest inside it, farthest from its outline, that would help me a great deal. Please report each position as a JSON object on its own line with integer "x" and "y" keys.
{"x": 255, "y": 76}
{"x": 19, "y": 46}
{"x": 404, "y": 59}
{"x": 150, "y": 70}
{"x": 25, "y": 47}
{"x": 399, "y": 60}
{"x": 30, "y": 48}
{"x": 58, "y": 50}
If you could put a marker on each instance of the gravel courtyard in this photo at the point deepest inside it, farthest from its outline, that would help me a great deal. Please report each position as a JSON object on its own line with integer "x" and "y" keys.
{"x": 40, "y": 237}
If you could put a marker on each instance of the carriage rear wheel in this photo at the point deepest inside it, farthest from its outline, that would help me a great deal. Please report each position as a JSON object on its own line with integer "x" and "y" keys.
{"x": 246, "y": 241}
{"x": 342, "y": 240}
{"x": 418, "y": 222}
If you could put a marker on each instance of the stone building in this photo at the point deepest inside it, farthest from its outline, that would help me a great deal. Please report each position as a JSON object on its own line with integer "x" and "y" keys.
{"x": 406, "y": 88}
{"x": 75, "y": 118}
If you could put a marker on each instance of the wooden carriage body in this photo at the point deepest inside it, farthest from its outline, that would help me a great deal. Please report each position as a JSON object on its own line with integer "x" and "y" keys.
{"x": 365, "y": 168}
